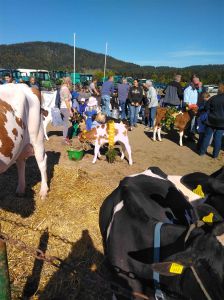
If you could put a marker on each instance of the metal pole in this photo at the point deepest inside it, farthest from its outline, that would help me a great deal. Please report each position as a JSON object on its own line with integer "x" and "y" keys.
{"x": 74, "y": 59}
{"x": 5, "y": 293}
{"x": 105, "y": 64}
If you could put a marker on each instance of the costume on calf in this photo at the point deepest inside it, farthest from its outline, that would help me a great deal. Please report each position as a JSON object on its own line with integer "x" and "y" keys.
{"x": 154, "y": 238}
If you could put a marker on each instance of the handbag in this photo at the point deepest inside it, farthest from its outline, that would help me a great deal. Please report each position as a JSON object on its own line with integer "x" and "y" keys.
{"x": 56, "y": 117}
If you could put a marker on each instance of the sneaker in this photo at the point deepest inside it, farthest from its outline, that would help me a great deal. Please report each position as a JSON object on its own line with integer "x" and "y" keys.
{"x": 135, "y": 125}
{"x": 130, "y": 128}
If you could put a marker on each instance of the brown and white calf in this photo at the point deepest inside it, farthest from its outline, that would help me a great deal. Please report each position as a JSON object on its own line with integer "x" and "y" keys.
{"x": 98, "y": 136}
{"x": 181, "y": 121}
{"x": 21, "y": 132}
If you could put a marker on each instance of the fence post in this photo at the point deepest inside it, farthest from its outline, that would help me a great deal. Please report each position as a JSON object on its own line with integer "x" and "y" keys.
{"x": 4, "y": 273}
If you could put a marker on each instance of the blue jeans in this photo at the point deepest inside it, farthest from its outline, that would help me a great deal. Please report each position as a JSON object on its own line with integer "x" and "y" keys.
{"x": 152, "y": 115}
{"x": 65, "y": 113}
{"x": 134, "y": 110}
{"x": 123, "y": 108}
{"x": 217, "y": 136}
{"x": 105, "y": 103}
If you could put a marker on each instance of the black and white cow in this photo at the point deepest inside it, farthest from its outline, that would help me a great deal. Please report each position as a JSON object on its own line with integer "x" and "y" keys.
{"x": 191, "y": 257}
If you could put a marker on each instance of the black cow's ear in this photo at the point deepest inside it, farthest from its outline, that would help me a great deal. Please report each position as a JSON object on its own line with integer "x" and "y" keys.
{"x": 169, "y": 268}
{"x": 208, "y": 214}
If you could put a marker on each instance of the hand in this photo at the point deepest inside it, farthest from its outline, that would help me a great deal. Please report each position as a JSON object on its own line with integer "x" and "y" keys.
{"x": 136, "y": 104}
{"x": 70, "y": 113}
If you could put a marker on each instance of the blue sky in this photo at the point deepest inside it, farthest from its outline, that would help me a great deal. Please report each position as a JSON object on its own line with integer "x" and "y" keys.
{"x": 146, "y": 32}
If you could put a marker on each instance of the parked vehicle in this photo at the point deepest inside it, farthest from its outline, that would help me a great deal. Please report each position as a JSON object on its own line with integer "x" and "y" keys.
{"x": 16, "y": 74}
{"x": 43, "y": 77}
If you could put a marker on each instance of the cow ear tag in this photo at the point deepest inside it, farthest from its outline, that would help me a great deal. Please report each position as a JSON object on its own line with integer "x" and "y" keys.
{"x": 199, "y": 191}
{"x": 208, "y": 218}
{"x": 176, "y": 268}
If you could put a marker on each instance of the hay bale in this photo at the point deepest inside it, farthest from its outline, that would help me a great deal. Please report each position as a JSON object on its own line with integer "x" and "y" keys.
{"x": 66, "y": 226}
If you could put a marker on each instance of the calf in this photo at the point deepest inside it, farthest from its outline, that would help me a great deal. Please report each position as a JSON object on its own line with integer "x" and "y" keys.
{"x": 21, "y": 132}
{"x": 182, "y": 120}
{"x": 98, "y": 136}
{"x": 128, "y": 222}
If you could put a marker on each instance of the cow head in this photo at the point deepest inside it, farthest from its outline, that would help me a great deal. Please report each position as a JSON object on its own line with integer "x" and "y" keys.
{"x": 200, "y": 267}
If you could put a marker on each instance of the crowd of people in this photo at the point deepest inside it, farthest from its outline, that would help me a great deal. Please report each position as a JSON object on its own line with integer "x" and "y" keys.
{"x": 127, "y": 101}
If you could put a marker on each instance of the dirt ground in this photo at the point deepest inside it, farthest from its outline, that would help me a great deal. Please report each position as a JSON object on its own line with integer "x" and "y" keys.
{"x": 167, "y": 155}
{"x": 65, "y": 225}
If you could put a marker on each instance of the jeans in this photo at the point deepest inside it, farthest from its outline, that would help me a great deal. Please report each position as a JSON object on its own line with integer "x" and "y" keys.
{"x": 200, "y": 140}
{"x": 65, "y": 113}
{"x": 123, "y": 110}
{"x": 134, "y": 110}
{"x": 193, "y": 125}
{"x": 152, "y": 115}
{"x": 105, "y": 103}
{"x": 217, "y": 136}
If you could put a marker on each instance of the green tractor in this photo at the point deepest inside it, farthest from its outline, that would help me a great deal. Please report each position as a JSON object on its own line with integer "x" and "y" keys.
{"x": 43, "y": 78}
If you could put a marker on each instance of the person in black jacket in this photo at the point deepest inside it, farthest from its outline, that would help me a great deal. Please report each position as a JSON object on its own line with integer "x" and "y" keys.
{"x": 214, "y": 123}
{"x": 135, "y": 98}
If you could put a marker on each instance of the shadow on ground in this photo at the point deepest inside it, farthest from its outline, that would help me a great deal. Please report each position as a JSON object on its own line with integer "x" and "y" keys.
{"x": 24, "y": 206}
{"x": 76, "y": 278}
{"x": 173, "y": 135}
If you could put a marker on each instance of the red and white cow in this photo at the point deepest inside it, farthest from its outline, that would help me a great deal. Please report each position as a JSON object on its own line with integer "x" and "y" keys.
{"x": 181, "y": 122}
{"x": 98, "y": 136}
{"x": 21, "y": 132}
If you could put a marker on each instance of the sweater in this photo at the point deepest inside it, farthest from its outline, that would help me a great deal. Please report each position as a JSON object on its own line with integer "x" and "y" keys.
{"x": 173, "y": 93}
{"x": 135, "y": 95}
{"x": 152, "y": 97}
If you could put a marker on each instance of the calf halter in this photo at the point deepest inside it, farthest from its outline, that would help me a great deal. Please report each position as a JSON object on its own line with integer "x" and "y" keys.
{"x": 156, "y": 254}
{"x": 156, "y": 257}
{"x": 198, "y": 224}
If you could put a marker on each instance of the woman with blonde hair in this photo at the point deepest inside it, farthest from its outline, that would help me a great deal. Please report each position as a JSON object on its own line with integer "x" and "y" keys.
{"x": 214, "y": 123}
{"x": 66, "y": 104}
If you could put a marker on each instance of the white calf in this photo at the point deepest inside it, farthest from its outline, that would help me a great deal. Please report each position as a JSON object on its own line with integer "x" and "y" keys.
{"x": 98, "y": 136}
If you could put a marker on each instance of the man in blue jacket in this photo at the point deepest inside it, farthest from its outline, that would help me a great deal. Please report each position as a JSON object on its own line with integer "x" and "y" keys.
{"x": 106, "y": 92}
{"x": 123, "y": 89}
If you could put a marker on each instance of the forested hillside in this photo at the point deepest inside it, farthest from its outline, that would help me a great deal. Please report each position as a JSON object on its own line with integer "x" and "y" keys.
{"x": 58, "y": 56}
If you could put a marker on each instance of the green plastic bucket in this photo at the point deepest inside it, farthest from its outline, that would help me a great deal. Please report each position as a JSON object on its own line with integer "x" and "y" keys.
{"x": 75, "y": 154}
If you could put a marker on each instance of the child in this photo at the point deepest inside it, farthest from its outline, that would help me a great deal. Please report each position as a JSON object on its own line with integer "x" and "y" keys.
{"x": 82, "y": 106}
{"x": 91, "y": 110}
{"x": 74, "y": 129}
{"x": 203, "y": 114}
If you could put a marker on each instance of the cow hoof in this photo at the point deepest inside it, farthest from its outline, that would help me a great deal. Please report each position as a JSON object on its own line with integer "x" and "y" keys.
{"x": 130, "y": 163}
{"x": 160, "y": 140}
{"x": 43, "y": 193}
{"x": 153, "y": 140}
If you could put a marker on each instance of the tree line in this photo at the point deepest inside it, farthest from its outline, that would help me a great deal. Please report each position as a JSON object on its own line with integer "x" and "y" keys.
{"x": 59, "y": 56}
